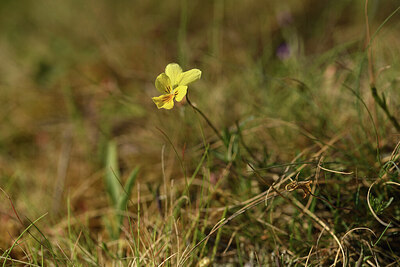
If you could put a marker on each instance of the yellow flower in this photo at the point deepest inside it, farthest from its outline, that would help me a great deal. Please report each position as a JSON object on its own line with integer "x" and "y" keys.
{"x": 173, "y": 84}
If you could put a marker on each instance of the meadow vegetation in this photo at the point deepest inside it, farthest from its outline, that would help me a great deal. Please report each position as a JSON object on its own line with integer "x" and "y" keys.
{"x": 286, "y": 154}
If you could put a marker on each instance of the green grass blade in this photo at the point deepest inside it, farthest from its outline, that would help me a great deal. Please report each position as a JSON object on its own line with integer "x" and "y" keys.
{"x": 6, "y": 255}
{"x": 123, "y": 200}
{"x": 218, "y": 238}
{"x": 112, "y": 173}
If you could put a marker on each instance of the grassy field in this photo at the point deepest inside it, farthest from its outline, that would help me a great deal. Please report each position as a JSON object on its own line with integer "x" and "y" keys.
{"x": 286, "y": 153}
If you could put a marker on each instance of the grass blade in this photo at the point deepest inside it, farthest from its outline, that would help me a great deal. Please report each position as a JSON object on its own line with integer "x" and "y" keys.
{"x": 112, "y": 173}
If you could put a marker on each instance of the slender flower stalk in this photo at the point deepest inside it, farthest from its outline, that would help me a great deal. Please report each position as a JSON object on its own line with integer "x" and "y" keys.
{"x": 204, "y": 117}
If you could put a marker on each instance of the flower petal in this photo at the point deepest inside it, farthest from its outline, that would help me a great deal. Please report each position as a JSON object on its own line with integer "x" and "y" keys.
{"x": 164, "y": 101}
{"x": 180, "y": 92}
{"x": 163, "y": 83}
{"x": 173, "y": 71}
{"x": 189, "y": 76}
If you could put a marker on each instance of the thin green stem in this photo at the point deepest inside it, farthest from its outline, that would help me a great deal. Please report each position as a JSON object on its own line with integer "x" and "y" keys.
{"x": 372, "y": 120}
{"x": 205, "y": 118}
{"x": 381, "y": 100}
{"x": 382, "y": 103}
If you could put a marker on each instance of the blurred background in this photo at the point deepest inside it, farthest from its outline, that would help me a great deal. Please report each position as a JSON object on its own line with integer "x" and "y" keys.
{"x": 76, "y": 74}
